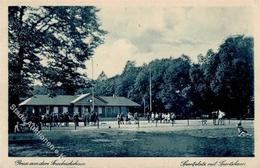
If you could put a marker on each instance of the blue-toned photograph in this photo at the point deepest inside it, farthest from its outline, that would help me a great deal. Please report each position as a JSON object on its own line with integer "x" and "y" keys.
{"x": 128, "y": 81}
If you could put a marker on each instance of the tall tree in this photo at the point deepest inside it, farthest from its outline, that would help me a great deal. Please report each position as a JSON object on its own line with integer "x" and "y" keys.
{"x": 62, "y": 37}
{"x": 126, "y": 80}
{"x": 174, "y": 92}
{"x": 78, "y": 32}
{"x": 23, "y": 61}
{"x": 233, "y": 81}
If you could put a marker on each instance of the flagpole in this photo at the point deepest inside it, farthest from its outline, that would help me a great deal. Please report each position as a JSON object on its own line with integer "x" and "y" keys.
{"x": 93, "y": 93}
{"x": 150, "y": 88}
{"x": 93, "y": 104}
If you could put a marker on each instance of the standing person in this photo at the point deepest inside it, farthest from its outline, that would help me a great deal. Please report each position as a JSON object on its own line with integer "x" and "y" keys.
{"x": 172, "y": 117}
{"x": 55, "y": 120}
{"x": 217, "y": 114}
{"x": 122, "y": 118}
{"x": 163, "y": 117}
{"x": 50, "y": 119}
{"x": 128, "y": 118}
{"x": 148, "y": 117}
{"x": 156, "y": 118}
{"x": 76, "y": 120}
{"x": 87, "y": 117}
{"x": 160, "y": 117}
{"x": 168, "y": 116}
{"x": 93, "y": 118}
{"x": 152, "y": 117}
{"x": 136, "y": 118}
{"x": 118, "y": 118}
{"x": 39, "y": 122}
{"x": 61, "y": 119}
{"x": 214, "y": 117}
{"x": 17, "y": 127}
{"x": 221, "y": 115}
{"x": 66, "y": 119}
{"x": 96, "y": 118}
{"x": 43, "y": 120}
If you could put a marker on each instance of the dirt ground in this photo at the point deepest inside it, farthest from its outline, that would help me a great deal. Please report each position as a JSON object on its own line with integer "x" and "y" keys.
{"x": 146, "y": 140}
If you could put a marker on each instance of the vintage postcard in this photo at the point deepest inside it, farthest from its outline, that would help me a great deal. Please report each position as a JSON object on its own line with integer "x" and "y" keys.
{"x": 129, "y": 84}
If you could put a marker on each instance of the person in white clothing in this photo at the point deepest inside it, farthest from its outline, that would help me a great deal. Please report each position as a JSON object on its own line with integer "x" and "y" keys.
{"x": 221, "y": 116}
{"x": 152, "y": 116}
{"x": 17, "y": 127}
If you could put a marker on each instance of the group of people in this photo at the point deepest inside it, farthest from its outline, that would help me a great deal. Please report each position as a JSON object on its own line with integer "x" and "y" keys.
{"x": 218, "y": 117}
{"x": 162, "y": 117}
{"x": 91, "y": 118}
{"x": 55, "y": 119}
{"x": 127, "y": 120}
{"x": 88, "y": 118}
{"x": 23, "y": 126}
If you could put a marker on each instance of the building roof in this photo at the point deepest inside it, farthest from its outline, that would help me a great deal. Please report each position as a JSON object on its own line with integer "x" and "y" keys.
{"x": 77, "y": 99}
{"x": 80, "y": 97}
{"x": 118, "y": 101}
{"x": 47, "y": 100}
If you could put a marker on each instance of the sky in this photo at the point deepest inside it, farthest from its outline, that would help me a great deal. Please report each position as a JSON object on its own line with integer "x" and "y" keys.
{"x": 147, "y": 33}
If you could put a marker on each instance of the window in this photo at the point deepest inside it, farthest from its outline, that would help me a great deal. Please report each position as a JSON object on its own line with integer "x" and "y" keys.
{"x": 55, "y": 110}
{"x": 65, "y": 109}
{"x": 109, "y": 111}
{"x": 116, "y": 110}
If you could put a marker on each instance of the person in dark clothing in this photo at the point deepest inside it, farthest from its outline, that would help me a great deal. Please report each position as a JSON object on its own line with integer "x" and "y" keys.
{"x": 76, "y": 120}
{"x": 160, "y": 117}
{"x": 66, "y": 119}
{"x": 241, "y": 130}
{"x": 122, "y": 118}
{"x": 119, "y": 118}
{"x": 136, "y": 117}
{"x": 148, "y": 117}
{"x": 96, "y": 118}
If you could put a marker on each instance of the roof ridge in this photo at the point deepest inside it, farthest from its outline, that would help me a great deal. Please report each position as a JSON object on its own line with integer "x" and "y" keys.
{"x": 79, "y": 98}
{"x": 25, "y": 101}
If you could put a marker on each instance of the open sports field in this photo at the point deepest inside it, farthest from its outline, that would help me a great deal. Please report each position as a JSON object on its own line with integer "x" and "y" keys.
{"x": 147, "y": 140}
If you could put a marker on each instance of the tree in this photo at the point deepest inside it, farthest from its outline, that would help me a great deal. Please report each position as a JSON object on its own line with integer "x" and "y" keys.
{"x": 126, "y": 80}
{"x": 23, "y": 60}
{"x": 225, "y": 80}
{"x": 76, "y": 31}
{"x": 107, "y": 87}
{"x": 102, "y": 76}
{"x": 65, "y": 36}
{"x": 176, "y": 79}
{"x": 233, "y": 81}
{"x": 220, "y": 80}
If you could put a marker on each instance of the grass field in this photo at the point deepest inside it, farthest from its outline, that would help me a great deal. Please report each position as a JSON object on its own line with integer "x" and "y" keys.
{"x": 147, "y": 140}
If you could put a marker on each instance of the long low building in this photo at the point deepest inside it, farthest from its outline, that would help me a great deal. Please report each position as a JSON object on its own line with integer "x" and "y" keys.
{"x": 106, "y": 106}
